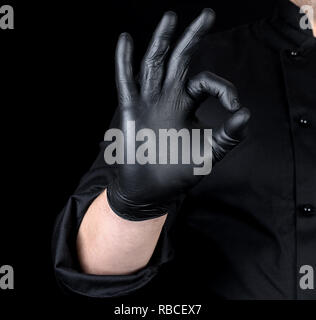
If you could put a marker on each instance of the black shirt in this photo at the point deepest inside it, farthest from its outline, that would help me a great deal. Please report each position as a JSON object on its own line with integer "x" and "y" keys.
{"x": 245, "y": 231}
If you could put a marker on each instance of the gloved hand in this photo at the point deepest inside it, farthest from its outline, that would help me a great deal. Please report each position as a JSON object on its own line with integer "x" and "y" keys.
{"x": 166, "y": 99}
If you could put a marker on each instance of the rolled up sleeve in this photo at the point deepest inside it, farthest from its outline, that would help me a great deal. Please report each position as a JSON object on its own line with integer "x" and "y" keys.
{"x": 66, "y": 265}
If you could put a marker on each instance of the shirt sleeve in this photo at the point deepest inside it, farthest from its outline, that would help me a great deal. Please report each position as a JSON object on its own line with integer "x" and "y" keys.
{"x": 66, "y": 264}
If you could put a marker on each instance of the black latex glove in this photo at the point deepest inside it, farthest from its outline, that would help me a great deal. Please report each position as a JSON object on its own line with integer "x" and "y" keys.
{"x": 167, "y": 99}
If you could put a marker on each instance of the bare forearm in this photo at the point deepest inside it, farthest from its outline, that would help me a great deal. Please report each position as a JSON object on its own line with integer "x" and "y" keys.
{"x": 109, "y": 245}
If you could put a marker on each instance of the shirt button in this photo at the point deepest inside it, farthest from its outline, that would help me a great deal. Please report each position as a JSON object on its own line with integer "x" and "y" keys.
{"x": 304, "y": 123}
{"x": 294, "y": 53}
{"x": 307, "y": 209}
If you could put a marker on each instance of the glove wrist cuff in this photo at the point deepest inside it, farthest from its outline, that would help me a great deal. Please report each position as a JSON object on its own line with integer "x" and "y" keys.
{"x": 131, "y": 210}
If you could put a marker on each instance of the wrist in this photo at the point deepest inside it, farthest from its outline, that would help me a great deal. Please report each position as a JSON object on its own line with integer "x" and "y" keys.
{"x": 128, "y": 209}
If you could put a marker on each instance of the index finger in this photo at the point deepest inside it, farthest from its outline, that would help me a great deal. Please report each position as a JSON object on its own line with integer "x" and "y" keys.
{"x": 183, "y": 51}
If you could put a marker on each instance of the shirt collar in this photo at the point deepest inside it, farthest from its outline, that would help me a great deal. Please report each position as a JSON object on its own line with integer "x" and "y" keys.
{"x": 290, "y": 14}
{"x": 282, "y": 31}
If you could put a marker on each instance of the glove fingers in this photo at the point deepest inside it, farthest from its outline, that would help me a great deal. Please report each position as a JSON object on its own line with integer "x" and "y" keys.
{"x": 152, "y": 67}
{"x": 125, "y": 83}
{"x": 230, "y": 134}
{"x": 181, "y": 56}
{"x": 208, "y": 84}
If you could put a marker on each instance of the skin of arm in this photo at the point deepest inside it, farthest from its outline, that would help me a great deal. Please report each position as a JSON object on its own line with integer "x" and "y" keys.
{"x": 110, "y": 245}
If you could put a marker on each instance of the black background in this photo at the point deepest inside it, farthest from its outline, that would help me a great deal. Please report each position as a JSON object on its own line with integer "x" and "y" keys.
{"x": 57, "y": 98}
